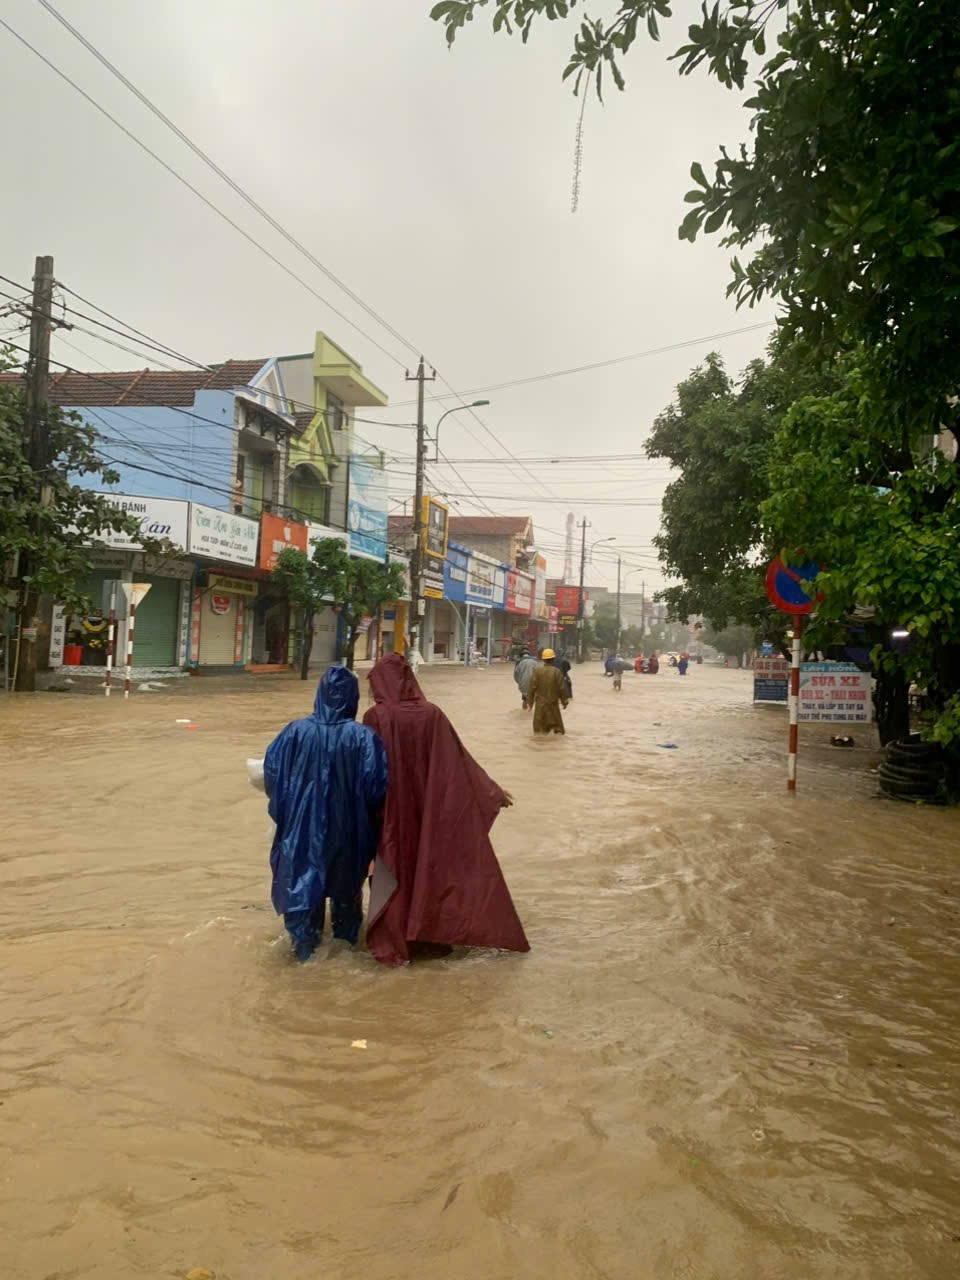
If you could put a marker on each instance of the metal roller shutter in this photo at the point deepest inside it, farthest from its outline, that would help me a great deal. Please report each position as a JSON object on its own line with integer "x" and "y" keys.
{"x": 157, "y": 623}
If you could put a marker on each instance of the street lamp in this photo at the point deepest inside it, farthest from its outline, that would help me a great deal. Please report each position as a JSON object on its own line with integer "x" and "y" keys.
{"x": 642, "y": 600}
{"x": 475, "y": 404}
{"x": 583, "y": 564}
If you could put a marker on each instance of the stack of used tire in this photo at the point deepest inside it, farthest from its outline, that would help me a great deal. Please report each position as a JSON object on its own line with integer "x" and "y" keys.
{"x": 915, "y": 771}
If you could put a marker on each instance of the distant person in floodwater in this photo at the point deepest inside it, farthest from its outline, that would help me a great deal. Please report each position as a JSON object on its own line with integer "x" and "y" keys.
{"x": 325, "y": 777}
{"x": 436, "y": 879}
{"x": 562, "y": 663}
{"x": 547, "y": 694}
{"x": 653, "y": 664}
{"x": 522, "y": 673}
{"x": 682, "y": 663}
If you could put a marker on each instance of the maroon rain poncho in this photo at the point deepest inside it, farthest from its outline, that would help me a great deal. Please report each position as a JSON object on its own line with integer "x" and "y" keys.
{"x": 436, "y": 878}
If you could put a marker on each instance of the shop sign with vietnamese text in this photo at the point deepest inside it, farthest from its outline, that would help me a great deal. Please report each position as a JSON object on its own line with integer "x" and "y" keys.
{"x": 219, "y": 535}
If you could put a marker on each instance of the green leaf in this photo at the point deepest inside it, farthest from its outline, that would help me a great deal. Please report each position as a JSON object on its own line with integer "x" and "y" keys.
{"x": 697, "y": 174}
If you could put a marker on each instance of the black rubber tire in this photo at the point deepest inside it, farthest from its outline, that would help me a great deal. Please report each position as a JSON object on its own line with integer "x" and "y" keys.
{"x": 921, "y": 789}
{"x": 904, "y": 772}
{"x": 913, "y": 752}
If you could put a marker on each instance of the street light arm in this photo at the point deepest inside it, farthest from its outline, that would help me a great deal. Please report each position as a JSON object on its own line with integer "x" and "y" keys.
{"x": 476, "y": 404}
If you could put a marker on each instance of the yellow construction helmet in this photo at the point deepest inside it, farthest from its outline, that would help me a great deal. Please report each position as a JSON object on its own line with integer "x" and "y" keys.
{"x": 547, "y": 655}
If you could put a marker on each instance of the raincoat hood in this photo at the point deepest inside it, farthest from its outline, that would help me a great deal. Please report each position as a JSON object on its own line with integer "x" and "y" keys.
{"x": 338, "y": 696}
{"x": 392, "y": 680}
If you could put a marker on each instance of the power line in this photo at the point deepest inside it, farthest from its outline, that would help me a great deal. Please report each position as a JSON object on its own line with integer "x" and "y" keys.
{"x": 221, "y": 173}
{"x": 199, "y": 194}
{"x": 600, "y": 364}
{"x": 244, "y": 195}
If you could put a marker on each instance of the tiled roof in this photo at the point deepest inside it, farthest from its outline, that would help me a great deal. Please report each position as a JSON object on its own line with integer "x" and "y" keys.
{"x": 146, "y": 386}
{"x": 472, "y": 526}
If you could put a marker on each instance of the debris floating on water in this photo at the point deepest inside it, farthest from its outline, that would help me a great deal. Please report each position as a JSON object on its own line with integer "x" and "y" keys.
{"x": 358, "y": 1044}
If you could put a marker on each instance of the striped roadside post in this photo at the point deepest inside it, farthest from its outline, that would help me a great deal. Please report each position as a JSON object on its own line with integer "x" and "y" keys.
{"x": 134, "y": 592}
{"x": 111, "y": 629}
{"x": 794, "y": 701}
{"x": 790, "y": 589}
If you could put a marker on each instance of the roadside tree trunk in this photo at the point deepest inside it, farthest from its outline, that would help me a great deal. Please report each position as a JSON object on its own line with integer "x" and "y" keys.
{"x": 892, "y": 704}
{"x": 26, "y": 659}
{"x": 306, "y": 648}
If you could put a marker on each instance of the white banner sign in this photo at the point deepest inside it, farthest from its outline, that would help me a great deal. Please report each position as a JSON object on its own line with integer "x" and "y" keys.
{"x": 218, "y": 535}
{"x": 834, "y": 692}
{"x": 157, "y": 517}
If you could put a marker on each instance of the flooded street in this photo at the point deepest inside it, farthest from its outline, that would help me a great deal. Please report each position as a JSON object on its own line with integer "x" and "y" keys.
{"x": 732, "y": 1052}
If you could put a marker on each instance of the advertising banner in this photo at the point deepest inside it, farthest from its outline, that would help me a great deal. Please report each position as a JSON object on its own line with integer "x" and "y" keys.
{"x": 480, "y": 581}
{"x": 221, "y": 536}
{"x": 367, "y": 510}
{"x": 566, "y": 599}
{"x": 276, "y": 534}
{"x": 770, "y": 676}
{"x": 157, "y": 517}
{"x": 835, "y": 692}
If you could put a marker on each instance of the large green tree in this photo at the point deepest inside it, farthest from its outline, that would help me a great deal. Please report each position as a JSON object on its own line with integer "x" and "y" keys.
{"x": 329, "y": 577}
{"x": 718, "y": 434}
{"x": 48, "y": 521}
{"x": 848, "y": 196}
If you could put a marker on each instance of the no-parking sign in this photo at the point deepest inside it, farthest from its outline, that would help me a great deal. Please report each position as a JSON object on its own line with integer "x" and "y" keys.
{"x": 785, "y": 586}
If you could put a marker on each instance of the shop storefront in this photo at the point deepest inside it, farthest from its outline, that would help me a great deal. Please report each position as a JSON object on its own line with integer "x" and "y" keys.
{"x": 518, "y": 607}
{"x": 160, "y": 634}
{"x": 485, "y": 593}
{"x": 226, "y": 593}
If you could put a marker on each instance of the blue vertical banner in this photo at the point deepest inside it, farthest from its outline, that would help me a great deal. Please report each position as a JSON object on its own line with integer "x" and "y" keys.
{"x": 367, "y": 510}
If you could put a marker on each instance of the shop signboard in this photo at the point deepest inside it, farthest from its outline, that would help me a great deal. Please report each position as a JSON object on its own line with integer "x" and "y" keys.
{"x": 835, "y": 692}
{"x": 435, "y": 518}
{"x": 554, "y": 619}
{"x": 455, "y": 569}
{"x": 156, "y": 517}
{"x": 431, "y": 583}
{"x": 770, "y": 676}
{"x": 320, "y": 532}
{"x": 480, "y": 581}
{"x": 519, "y": 592}
{"x": 231, "y": 586}
{"x": 539, "y": 587}
{"x": 566, "y": 599}
{"x": 367, "y": 510}
{"x": 219, "y": 535}
{"x": 276, "y": 535}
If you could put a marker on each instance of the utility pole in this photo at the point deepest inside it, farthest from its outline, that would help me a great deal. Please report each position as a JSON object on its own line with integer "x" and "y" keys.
{"x": 616, "y": 647}
{"x": 36, "y": 450}
{"x": 643, "y": 607}
{"x": 416, "y": 556}
{"x": 583, "y": 565}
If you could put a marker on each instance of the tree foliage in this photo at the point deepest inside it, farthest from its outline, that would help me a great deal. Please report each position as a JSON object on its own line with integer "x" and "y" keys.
{"x": 718, "y": 434}
{"x": 355, "y": 588}
{"x": 48, "y": 521}
{"x": 733, "y": 641}
{"x": 885, "y": 522}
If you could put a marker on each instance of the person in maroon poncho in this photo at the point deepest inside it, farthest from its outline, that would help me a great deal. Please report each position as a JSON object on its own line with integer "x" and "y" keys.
{"x": 436, "y": 878}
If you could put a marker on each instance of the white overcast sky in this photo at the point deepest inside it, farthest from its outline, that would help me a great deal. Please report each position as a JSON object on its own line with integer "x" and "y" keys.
{"x": 434, "y": 183}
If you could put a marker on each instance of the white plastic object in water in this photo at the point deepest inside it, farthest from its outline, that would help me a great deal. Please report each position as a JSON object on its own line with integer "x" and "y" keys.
{"x": 255, "y": 774}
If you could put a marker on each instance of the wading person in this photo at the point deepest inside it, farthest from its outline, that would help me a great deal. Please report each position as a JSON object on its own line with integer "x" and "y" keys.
{"x": 436, "y": 879}
{"x": 547, "y": 694}
{"x": 326, "y": 777}
{"x": 522, "y": 673}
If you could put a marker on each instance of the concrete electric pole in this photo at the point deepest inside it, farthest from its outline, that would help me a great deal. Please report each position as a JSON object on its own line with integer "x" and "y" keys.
{"x": 416, "y": 556}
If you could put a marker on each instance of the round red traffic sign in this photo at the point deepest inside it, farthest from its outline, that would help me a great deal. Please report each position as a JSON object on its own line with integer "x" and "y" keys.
{"x": 785, "y": 586}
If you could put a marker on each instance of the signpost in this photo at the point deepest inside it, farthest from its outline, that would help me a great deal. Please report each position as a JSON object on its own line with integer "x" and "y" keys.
{"x": 134, "y": 591}
{"x": 786, "y": 592}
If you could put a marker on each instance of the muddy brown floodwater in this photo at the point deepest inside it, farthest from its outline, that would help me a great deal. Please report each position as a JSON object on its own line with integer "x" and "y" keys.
{"x": 733, "y": 1051}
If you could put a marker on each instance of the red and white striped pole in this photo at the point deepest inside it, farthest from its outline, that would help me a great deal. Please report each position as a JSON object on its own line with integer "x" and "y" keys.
{"x": 126, "y": 674}
{"x": 111, "y": 628}
{"x": 794, "y": 703}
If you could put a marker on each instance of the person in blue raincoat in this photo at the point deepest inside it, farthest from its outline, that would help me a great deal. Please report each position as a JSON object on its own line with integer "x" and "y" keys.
{"x": 326, "y": 777}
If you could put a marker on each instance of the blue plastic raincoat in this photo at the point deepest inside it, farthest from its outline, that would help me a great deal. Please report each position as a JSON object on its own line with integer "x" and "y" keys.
{"x": 326, "y": 777}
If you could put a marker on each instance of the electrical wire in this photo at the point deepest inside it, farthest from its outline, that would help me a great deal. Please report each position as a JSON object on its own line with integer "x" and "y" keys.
{"x": 199, "y": 194}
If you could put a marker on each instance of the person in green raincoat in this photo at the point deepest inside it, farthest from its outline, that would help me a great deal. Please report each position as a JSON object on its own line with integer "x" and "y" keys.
{"x": 547, "y": 693}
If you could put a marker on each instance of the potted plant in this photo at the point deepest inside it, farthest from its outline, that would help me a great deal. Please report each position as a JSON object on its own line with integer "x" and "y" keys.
{"x": 73, "y": 649}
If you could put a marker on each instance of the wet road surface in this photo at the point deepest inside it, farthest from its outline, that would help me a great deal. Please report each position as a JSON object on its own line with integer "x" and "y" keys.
{"x": 733, "y": 1051}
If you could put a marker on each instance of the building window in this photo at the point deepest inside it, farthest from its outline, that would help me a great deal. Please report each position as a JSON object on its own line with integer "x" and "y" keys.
{"x": 336, "y": 414}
